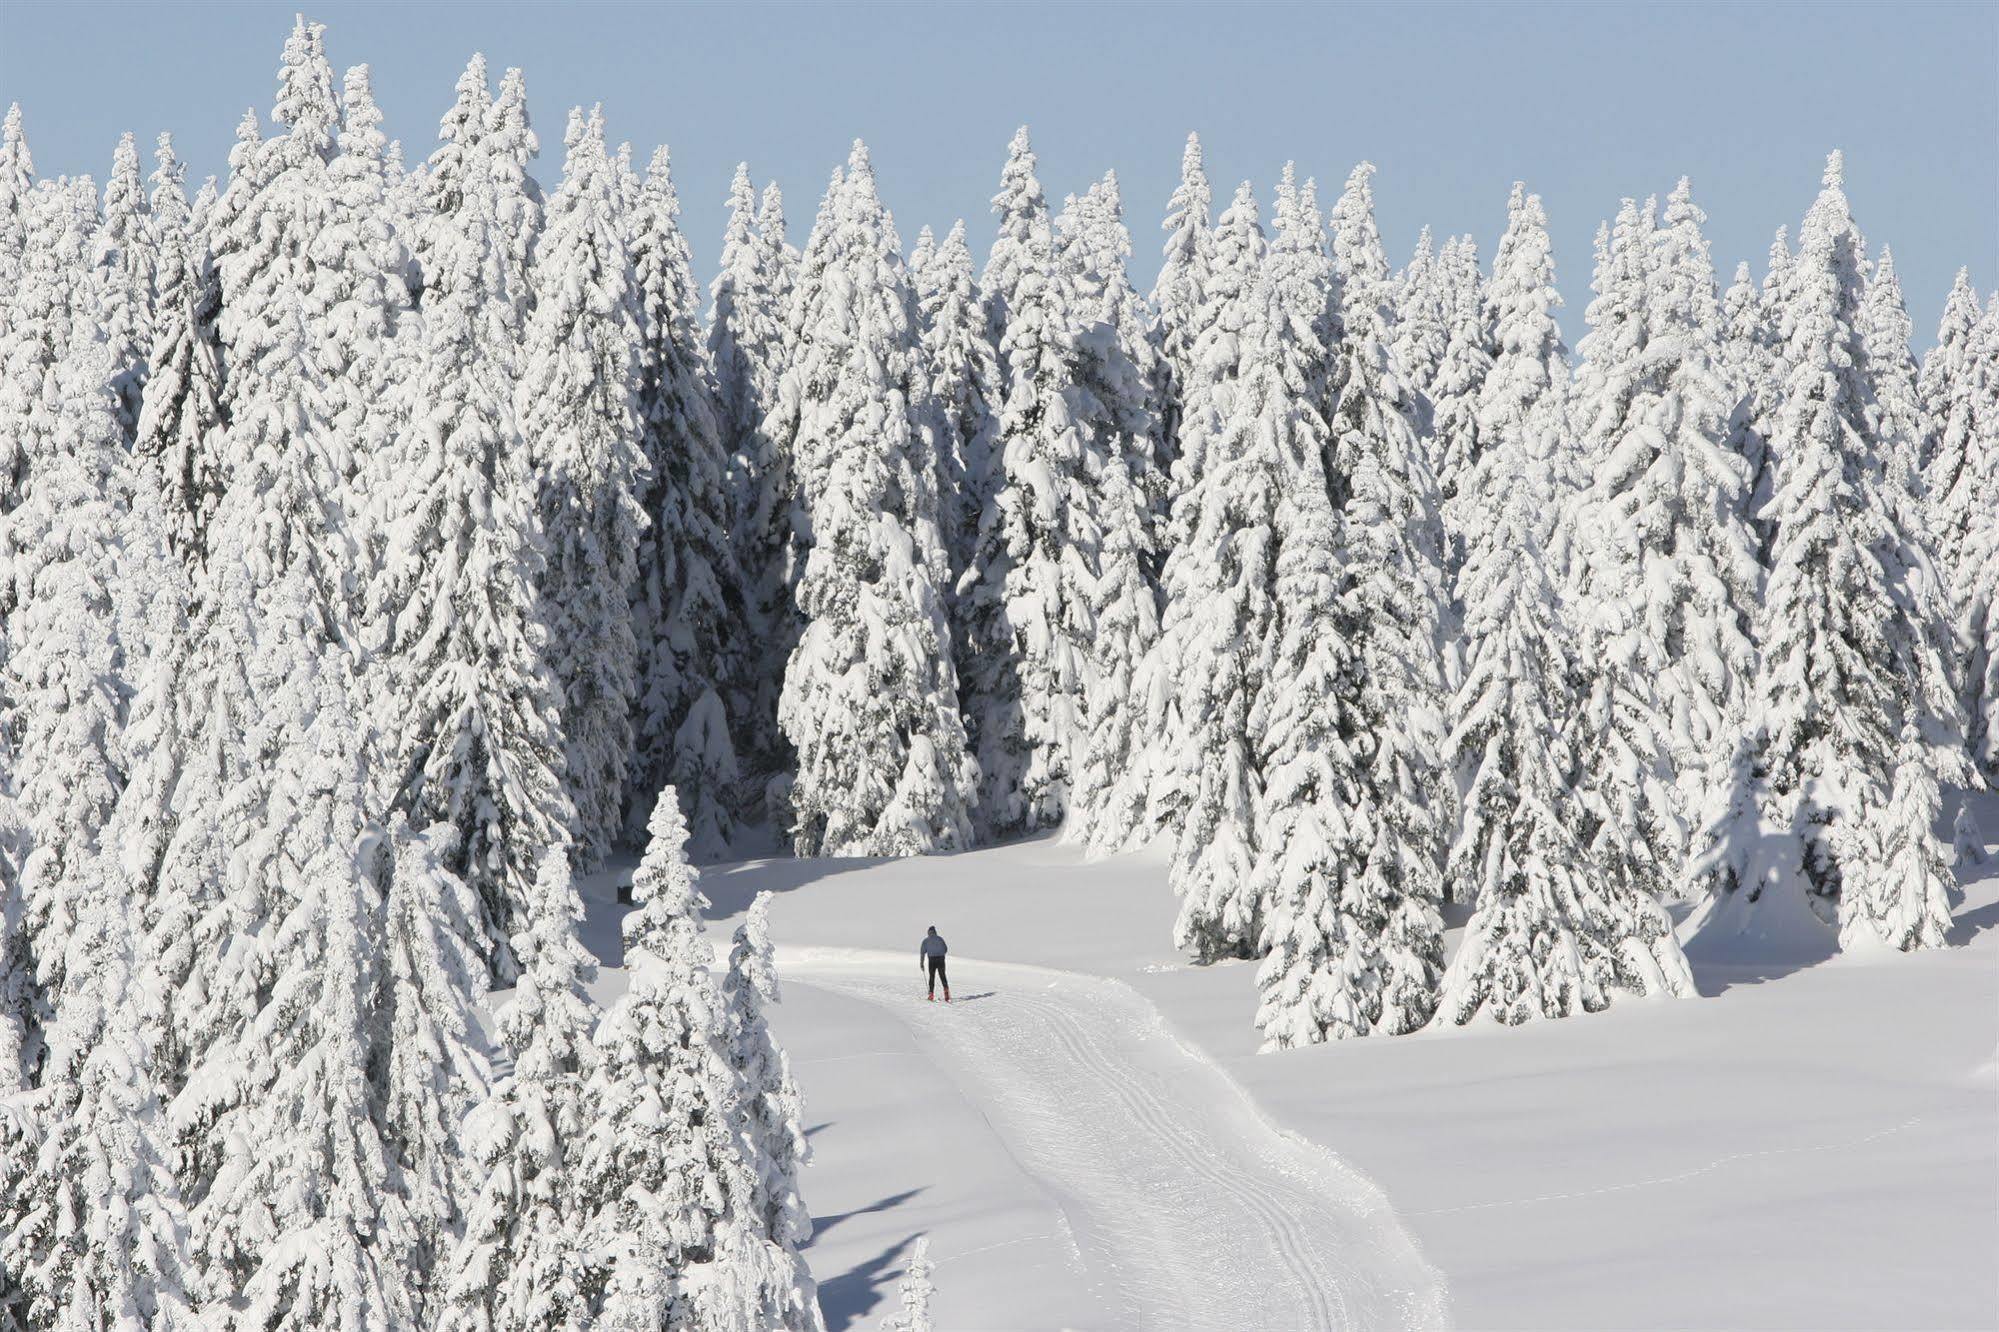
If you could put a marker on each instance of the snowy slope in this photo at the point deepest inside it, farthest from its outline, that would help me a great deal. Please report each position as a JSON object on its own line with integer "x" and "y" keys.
{"x": 1804, "y": 1146}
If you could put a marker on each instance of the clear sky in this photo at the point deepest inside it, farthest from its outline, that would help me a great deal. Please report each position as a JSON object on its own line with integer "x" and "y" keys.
{"x": 1585, "y": 102}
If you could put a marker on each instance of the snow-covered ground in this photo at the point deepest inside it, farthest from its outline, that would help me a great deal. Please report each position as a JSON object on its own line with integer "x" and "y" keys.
{"x": 1814, "y": 1143}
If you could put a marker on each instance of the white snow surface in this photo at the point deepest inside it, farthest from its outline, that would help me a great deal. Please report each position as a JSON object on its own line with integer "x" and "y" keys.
{"x": 1089, "y": 1139}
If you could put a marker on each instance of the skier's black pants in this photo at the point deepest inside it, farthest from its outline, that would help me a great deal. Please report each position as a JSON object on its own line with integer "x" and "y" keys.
{"x": 937, "y": 976}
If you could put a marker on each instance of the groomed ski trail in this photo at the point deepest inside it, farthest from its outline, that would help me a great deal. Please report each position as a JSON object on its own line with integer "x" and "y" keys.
{"x": 1188, "y": 1207}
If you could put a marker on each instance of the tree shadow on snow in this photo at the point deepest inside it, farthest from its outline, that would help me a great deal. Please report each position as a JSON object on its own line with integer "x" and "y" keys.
{"x": 849, "y": 1298}
{"x": 817, "y": 1129}
{"x": 1968, "y": 925}
{"x": 822, "y": 1224}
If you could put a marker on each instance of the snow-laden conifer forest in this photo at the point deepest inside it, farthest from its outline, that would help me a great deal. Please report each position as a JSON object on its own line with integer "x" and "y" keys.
{"x": 420, "y": 596}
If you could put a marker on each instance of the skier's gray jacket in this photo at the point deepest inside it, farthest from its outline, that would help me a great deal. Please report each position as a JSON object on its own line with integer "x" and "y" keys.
{"x": 932, "y": 946}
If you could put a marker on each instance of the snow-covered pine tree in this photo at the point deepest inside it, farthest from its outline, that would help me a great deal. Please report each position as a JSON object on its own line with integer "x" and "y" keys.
{"x": 435, "y": 1064}
{"x": 59, "y": 663}
{"x": 1179, "y": 300}
{"x": 125, "y": 259}
{"x": 1390, "y": 619}
{"x": 1095, "y": 245}
{"x": 578, "y": 411}
{"x": 1456, "y": 442}
{"x": 1850, "y": 656}
{"x": 1958, "y": 474}
{"x": 1552, "y": 933}
{"x": 870, "y": 694}
{"x": 772, "y": 1118}
{"x": 746, "y": 328}
{"x": 1226, "y": 639}
{"x": 688, "y": 605}
{"x": 1977, "y": 582}
{"x": 92, "y": 1230}
{"x": 17, "y": 191}
{"x": 913, "y": 1292}
{"x": 516, "y": 1268}
{"x": 1298, "y": 842}
{"x": 509, "y": 147}
{"x": 1897, "y": 894}
{"x": 1422, "y": 315}
{"x": 1666, "y": 575}
{"x": 1191, "y": 574}
{"x": 1885, "y": 329}
{"x": 1027, "y": 629}
{"x": 180, "y": 423}
{"x": 361, "y": 292}
{"x": 305, "y": 1221}
{"x": 1749, "y": 368}
{"x": 965, "y": 383}
{"x": 667, "y": 1191}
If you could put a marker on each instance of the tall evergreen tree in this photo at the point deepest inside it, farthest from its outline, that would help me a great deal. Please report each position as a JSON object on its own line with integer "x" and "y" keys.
{"x": 1958, "y": 474}
{"x": 965, "y": 383}
{"x": 1455, "y": 391}
{"x": 772, "y": 1119}
{"x": 870, "y": 695}
{"x": 688, "y": 612}
{"x": 1850, "y": 657}
{"x": 1179, "y": 300}
{"x": 579, "y": 417}
{"x": 471, "y": 698}
{"x": 1977, "y": 583}
{"x": 1422, "y": 315}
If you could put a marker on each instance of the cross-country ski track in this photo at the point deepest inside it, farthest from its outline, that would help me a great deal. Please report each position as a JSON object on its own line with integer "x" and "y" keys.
{"x": 1180, "y": 1203}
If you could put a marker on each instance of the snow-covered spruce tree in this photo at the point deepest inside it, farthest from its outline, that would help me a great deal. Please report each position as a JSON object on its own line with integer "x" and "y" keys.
{"x": 60, "y": 672}
{"x": 306, "y": 1222}
{"x": 1298, "y": 835}
{"x": 1958, "y": 466}
{"x": 760, "y": 498}
{"x": 20, "y": 1037}
{"x": 1555, "y": 930}
{"x": 180, "y": 423}
{"x": 1422, "y": 314}
{"x": 435, "y": 1065}
{"x": 125, "y": 258}
{"x": 509, "y": 147}
{"x": 362, "y": 259}
{"x": 1027, "y": 629}
{"x": 1094, "y": 245}
{"x": 1977, "y": 581}
{"x": 17, "y": 190}
{"x": 688, "y": 609}
{"x": 965, "y": 384}
{"x": 1666, "y": 573}
{"x": 1850, "y": 653}
{"x": 1179, "y": 299}
{"x": 746, "y": 328}
{"x": 1898, "y": 892}
{"x": 1192, "y": 572}
{"x": 772, "y": 1118}
{"x": 471, "y": 699}
{"x": 578, "y": 411}
{"x": 1227, "y": 626}
{"x": 1748, "y": 366}
{"x": 1390, "y": 619}
{"x": 92, "y": 1231}
{"x": 1455, "y": 440}
{"x": 516, "y": 1268}
{"x": 870, "y": 694}
{"x": 1885, "y": 329}
{"x": 913, "y": 1292}
{"x": 667, "y": 1189}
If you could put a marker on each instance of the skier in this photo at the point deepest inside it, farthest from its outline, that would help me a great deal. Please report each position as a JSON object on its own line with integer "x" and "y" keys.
{"x": 930, "y": 954}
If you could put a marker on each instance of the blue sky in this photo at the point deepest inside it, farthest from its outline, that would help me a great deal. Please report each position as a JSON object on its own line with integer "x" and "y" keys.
{"x": 1587, "y": 103}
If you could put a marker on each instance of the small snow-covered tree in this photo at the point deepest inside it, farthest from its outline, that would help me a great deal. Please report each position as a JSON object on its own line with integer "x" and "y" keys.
{"x": 667, "y": 1190}
{"x": 772, "y": 1119}
{"x": 1898, "y": 894}
{"x": 688, "y": 607}
{"x": 870, "y": 694}
{"x": 579, "y": 419}
{"x": 517, "y": 1267}
{"x": 913, "y": 1292}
